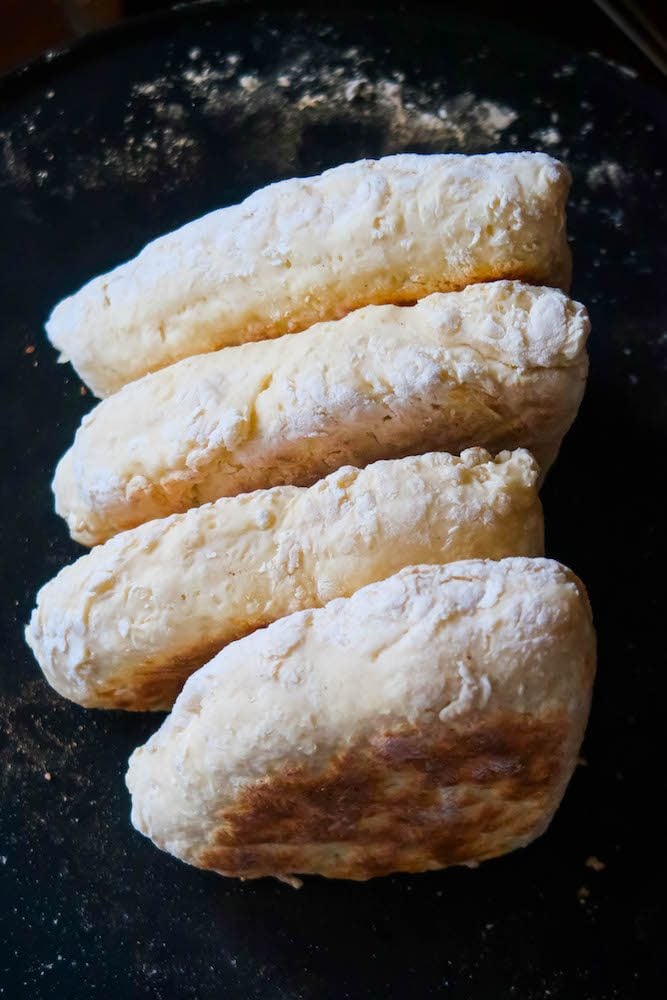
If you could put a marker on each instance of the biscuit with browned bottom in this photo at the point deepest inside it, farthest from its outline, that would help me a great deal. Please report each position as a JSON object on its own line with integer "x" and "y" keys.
{"x": 432, "y": 719}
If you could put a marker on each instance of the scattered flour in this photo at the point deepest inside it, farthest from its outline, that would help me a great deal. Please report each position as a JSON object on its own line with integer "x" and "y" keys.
{"x": 276, "y": 112}
{"x": 304, "y": 91}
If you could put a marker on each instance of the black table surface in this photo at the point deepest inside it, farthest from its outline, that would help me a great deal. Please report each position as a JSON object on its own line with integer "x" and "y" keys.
{"x": 137, "y": 131}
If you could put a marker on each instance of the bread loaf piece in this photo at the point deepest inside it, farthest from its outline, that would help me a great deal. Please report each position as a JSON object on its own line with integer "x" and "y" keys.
{"x": 432, "y": 719}
{"x": 302, "y": 251}
{"x": 499, "y": 365}
{"x": 125, "y": 625}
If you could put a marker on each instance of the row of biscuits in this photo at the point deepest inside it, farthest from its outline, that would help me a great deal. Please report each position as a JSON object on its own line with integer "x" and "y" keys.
{"x": 420, "y": 693}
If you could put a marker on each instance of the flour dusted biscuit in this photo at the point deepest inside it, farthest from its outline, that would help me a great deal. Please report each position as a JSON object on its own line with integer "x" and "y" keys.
{"x": 432, "y": 719}
{"x": 499, "y": 365}
{"x": 125, "y": 625}
{"x": 306, "y": 250}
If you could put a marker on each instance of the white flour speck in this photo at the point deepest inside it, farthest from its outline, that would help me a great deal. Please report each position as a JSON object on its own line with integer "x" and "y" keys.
{"x": 249, "y": 83}
{"x": 606, "y": 172}
{"x": 548, "y": 136}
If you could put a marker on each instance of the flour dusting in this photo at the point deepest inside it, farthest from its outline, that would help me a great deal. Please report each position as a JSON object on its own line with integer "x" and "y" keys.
{"x": 606, "y": 172}
{"x": 305, "y": 92}
{"x": 274, "y": 112}
{"x": 548, "y": 136}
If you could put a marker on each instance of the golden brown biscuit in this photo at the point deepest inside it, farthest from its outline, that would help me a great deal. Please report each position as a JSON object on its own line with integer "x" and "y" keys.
{"x": 432, "y": 719}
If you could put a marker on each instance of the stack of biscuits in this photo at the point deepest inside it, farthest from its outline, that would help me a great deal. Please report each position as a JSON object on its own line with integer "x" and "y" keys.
{"x": 311, "y": 489}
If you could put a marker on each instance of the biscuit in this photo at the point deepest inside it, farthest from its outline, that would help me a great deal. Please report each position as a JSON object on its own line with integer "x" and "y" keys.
{"x": 306, "y": 250}
{"x": 125, "y": 625}
{"x": 431, "y": 719}
{"x": 499, "y": 365}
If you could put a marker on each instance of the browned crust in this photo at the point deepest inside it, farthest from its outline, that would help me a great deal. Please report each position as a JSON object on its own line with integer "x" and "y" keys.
{"x": 155, "y": 684}
{"x": 411, "y": 799}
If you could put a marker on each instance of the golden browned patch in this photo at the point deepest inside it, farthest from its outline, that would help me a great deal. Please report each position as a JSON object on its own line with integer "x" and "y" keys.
{"x": 155, "y": 684}
{"x": 411, "y": 799}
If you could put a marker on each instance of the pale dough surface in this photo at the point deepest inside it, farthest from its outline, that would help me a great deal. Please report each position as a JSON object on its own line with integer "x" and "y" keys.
{"x": 125, "y": 625}
{"x": 431, "y": 719}
{"x": 499, "y": 365}
{"x": 305, "y": 250}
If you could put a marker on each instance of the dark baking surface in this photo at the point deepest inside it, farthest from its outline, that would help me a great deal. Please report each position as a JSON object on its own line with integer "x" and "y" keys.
{"x": 137, "y": 131}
